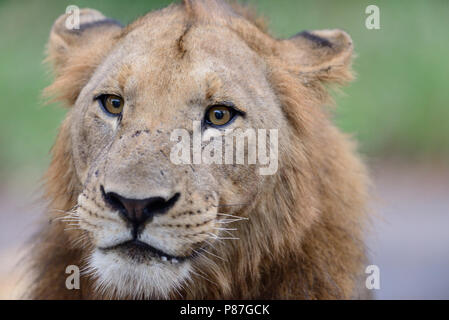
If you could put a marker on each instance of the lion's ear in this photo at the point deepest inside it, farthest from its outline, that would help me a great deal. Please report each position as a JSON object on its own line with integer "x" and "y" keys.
{"x": 71, "y": 33}
{"x": 78, "y": 42}
{"x": 325, "y": 55}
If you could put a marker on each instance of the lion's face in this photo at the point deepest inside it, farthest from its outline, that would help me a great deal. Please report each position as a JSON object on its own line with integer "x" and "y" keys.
{"x": 154, "y": 220}
{"x": 149, "y": 218}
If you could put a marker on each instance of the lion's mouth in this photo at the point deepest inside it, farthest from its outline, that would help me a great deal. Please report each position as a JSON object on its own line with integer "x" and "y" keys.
{"x": 141, "y": 250}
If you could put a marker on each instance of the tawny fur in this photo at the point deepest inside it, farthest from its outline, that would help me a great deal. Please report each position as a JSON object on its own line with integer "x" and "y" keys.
{"x": 304, "y": 236}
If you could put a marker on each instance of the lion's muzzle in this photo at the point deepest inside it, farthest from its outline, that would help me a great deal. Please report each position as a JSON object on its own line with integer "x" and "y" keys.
{"x": 138, "y": 212}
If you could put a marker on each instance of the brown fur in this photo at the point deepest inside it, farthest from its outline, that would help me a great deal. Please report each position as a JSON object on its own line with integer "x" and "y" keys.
{"x": 304, "y": 236}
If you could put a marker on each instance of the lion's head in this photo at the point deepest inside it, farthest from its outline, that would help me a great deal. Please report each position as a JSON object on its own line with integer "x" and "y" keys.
{"x": 146, "y": 225}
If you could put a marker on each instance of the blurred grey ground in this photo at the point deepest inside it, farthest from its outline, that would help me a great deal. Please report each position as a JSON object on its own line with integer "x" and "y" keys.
{"x": 411, "y": 244}
{"x": 20, "y": 214}
{"x": 410, "y": 240}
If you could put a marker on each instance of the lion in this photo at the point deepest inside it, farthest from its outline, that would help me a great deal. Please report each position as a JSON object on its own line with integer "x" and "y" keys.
{"x": 142, "y": 227}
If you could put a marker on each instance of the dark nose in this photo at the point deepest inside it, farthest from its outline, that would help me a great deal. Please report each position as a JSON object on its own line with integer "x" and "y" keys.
{"x": 139, "y": 211}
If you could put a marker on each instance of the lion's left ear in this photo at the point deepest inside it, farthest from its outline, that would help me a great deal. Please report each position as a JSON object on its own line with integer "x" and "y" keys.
{"x": 325, "y": 55}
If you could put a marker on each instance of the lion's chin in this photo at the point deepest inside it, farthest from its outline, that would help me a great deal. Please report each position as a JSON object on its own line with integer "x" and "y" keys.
{"x": 118, "y": 276}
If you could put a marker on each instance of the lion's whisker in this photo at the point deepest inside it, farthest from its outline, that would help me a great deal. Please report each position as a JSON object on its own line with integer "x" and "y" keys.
{"x": 73, "y": 225}
{"x": 230, "y": 205}
{"x": 232, "y": 216}
{"x": 212, "y": 254}
{"x": 71, "y": 210}
{"x": 201, "y": 276}
{"x": 228, "y": 221}
{"x": 79, "y": 240}
{"x": 67, "y": 215}
{"x": 177, "y": 291}
{"x": 66, "y": 219}
{"x": 229, "y": 233}
{"x": 205, "y": 257}
{"x": 71, "y": 221}
{"x": 86, "y": 270}
{"x": 57, "y": 210}
{"x": 209, "y": 243}
{"x": 226, "y": 229}
{"x": 222, "y": 238}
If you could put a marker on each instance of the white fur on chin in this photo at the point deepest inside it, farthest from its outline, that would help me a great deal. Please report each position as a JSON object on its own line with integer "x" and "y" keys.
{"x": 119, "y": 277}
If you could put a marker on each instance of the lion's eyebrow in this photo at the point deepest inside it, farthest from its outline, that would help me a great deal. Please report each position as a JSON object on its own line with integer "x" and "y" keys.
{"x": 214, "y": 84}
{"x": 214, "y": 94}
{"x": 123, "y": 74}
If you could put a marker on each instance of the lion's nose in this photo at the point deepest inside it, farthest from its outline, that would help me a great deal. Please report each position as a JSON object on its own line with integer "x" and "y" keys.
{"x": 139, "y": 211}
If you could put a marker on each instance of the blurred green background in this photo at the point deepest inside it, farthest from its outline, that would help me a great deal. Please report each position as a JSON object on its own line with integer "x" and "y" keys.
{"x": 398, "y": 106}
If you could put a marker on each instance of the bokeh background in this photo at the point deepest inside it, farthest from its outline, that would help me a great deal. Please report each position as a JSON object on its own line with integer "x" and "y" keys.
{"x": 398, "y": 110}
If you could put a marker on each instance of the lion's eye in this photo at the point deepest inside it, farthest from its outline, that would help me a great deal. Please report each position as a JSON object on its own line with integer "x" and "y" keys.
{"x": 112, "y": 104}
{"x": 219, "y": 115}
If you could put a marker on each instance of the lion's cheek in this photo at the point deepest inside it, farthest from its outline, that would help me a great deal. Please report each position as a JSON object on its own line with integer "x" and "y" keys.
{"x": 90, "y": 137}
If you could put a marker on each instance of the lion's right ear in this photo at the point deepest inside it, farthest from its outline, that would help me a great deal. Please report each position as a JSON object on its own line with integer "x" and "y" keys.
{"x": 78, "y": 41}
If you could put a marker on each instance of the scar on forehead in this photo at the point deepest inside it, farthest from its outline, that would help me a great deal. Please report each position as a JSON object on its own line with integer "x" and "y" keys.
{"x": 214, "y": 84}
{"x": 181, "y": 41}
